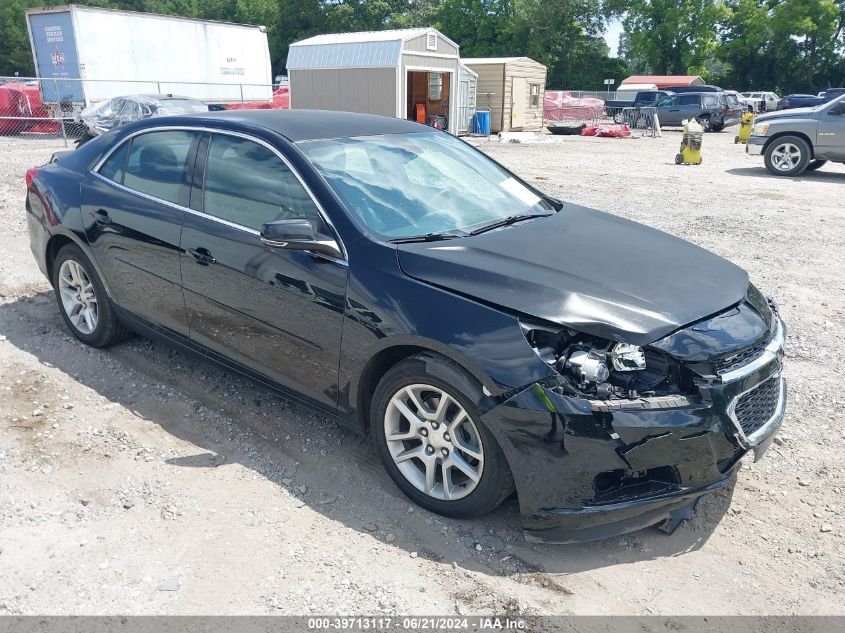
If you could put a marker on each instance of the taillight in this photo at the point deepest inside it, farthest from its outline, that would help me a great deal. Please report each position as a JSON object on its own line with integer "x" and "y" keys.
{"x": 30, "y": 176}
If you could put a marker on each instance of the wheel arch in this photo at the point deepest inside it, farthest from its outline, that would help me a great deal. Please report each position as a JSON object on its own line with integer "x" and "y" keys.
{"x": 399, "y": 349}
{"x": 62, "y": 238}
{"x": 800, "y": 135}
{"x": 56, "y": 242}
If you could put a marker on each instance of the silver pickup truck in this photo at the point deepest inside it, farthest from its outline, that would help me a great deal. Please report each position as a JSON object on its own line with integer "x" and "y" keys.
{"x": 804, "y": 139}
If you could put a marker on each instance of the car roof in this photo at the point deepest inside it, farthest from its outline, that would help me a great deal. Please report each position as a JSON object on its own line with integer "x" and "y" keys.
{"x": 300, "y": 125}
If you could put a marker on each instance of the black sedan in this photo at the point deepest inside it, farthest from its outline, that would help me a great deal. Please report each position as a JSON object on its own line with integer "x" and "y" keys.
{"x": 488, "y": 337}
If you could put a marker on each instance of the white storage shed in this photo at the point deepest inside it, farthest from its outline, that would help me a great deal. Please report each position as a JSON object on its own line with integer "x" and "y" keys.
{"x": 406, "y": 73}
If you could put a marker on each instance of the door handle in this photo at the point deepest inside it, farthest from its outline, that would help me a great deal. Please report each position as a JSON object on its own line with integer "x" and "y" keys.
{"x": 202, "y": 256}
{"x": 101, "y": 216}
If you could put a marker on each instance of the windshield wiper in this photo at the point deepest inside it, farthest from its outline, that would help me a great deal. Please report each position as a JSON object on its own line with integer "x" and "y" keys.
{"x": 511, "y": 219}
{"x": 428, "y": 237}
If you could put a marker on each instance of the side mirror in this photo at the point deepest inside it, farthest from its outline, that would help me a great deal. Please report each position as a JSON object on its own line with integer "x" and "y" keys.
{"x": 298, "y": 234}
{"x": 838, "y": 109}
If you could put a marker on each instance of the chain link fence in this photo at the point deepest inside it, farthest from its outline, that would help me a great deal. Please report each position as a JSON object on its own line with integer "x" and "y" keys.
{"x": 50, "y": 108}
{"x": 568, "y": 111}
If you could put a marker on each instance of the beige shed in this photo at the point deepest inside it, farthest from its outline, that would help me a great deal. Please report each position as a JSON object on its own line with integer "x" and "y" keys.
{"x": 405, "y": 73}
{"x": 512, "y": 88}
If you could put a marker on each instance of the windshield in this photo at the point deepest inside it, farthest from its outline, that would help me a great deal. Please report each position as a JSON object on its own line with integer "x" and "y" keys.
{"x": 411, "y": 185}
{"x": 180, "y": 106}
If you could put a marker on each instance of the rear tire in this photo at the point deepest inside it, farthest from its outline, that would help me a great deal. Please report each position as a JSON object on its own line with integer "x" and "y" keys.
{"x": 83, "y": 301}
{"x": 813, "y": 165}
{"x": 457, "y": 468}
{"x": 704, "y": 122}
{"x": 787, "y": 156}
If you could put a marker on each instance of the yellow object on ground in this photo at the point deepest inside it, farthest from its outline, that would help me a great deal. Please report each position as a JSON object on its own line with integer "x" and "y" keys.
{"x": 690, "y": 144}
{"x": 745, "y": 125}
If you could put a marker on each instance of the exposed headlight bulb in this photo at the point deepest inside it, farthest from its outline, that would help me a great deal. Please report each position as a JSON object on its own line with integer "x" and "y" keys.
{"x": 625, "y": 357}
{"x": 587, "y": 367}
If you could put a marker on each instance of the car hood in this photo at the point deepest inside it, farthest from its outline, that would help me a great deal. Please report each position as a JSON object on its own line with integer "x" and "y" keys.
{"x": 588, "y": 270}
{"x": 793, "y": 113}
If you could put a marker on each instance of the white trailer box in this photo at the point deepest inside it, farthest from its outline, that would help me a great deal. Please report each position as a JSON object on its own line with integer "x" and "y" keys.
{"x": 86, "y": 54}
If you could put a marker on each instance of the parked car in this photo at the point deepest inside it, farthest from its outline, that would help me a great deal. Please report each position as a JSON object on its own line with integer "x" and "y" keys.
{"x": 108, "y": 115}
{"x": 616, "y": 108}
{"x": 832, "y": 93}
{"x": 762, "y": 101}
{"x": 799, "y": 101}
{"x": 737, "y": 102}
{"x": 710, "y": 109}
{"x": 799, "y": 140}
{"x": 701, "y": 88}
{"x": 397, "y": 279}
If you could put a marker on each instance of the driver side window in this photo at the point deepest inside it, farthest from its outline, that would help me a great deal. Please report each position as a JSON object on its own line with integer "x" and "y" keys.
{"x": 247, "y": 184}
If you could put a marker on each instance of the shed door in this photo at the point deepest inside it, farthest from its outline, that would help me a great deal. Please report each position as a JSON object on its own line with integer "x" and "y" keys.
{"x": 519, "y": 91}
{"x": 466, "y": 106}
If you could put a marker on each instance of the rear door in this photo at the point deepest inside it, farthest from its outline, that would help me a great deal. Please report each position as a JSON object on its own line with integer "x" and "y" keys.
{"x": 276, "y": 312}
{"x": 133, "y": 207}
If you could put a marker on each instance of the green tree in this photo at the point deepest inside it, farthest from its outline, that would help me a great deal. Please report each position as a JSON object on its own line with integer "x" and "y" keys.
{"x": 15, "y": 54}
{"x": 803, "y": 38}
{"x": 670, "y": 37}
{"x": 482, "y": 28}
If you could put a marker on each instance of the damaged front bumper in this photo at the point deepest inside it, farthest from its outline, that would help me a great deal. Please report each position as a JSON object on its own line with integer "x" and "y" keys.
{"x": 591, "y": 469}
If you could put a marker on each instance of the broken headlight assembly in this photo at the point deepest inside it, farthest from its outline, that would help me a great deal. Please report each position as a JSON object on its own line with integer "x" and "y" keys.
{"x": 594, "y": 367}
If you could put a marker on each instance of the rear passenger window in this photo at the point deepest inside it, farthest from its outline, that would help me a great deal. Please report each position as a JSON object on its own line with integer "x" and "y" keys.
{"x": 688, "y": 100}
{"x": 249, "y": 185}
{"x": 113, "y": 167}
{"x": 156, "y": 163}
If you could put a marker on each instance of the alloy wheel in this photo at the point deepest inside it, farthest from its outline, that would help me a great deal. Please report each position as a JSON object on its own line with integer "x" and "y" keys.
{"x": 79, "y": 301}
{"x": 434, "y": 442}
{"x": 786, "y": 157}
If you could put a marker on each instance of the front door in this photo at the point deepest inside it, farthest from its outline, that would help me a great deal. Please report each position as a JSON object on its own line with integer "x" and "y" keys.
{"x": 831, "y": 132}
{"x": 276, "y": 312}
{"x": 133, "y": 217}
{"x": 519, "y": 95}
{"x": 669, "y": 111}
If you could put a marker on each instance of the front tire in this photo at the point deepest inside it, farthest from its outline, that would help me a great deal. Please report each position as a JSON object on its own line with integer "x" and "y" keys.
{"x": 430, "y": 438}
{"x": 83, "y": 301}
{"x": 787, "y": 156}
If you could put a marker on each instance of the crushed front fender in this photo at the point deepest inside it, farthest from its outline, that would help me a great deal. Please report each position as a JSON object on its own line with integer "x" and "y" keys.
{"x": 587, "y": 469}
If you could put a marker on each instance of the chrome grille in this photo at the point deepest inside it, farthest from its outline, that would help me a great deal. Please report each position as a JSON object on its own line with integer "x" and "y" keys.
{"x": 737, "y": 361}
{"x": 756, "y": 407}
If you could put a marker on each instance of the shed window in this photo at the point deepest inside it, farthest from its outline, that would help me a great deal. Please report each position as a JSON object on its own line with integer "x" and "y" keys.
{"x": 535, "y": 95}
{"x": 435, "y": 86}
{"x": 431, "y": 42}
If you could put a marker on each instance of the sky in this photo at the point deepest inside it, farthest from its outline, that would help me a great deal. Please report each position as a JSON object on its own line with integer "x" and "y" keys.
{"x": 614, "y": 29}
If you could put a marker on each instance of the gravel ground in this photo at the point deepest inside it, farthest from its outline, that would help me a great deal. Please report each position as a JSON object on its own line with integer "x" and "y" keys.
{"x": 137, "y": 480}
